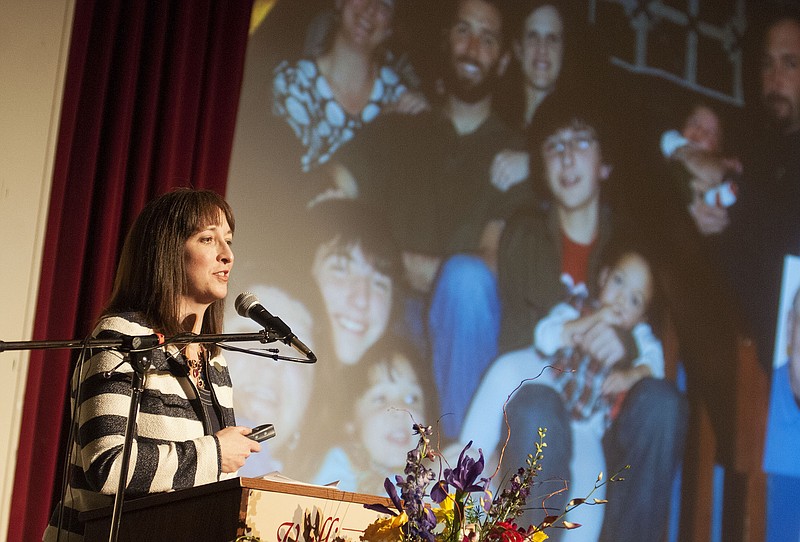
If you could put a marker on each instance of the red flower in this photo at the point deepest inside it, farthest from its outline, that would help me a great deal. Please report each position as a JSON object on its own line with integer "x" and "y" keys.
{"x": 505, "y": 532}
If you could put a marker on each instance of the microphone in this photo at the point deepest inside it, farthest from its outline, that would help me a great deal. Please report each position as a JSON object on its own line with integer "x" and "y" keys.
{"x": 247, "y": 305}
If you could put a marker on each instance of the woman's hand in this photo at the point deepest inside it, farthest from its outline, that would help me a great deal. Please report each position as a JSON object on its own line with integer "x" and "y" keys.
{"x": 235, "y": 447}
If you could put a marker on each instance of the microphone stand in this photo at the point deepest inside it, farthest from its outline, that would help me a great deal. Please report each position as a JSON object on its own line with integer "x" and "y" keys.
{"x": 136, "y": 350}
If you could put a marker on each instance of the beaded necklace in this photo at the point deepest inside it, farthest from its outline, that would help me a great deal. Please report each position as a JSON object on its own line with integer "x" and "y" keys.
{"x": 196, "y": 367}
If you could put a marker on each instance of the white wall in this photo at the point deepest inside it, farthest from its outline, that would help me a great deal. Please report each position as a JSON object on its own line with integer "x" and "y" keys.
{"x": 34, "y": 42}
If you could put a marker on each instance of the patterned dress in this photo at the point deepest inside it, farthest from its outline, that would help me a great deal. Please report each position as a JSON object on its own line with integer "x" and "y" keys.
{"x": 304, "y": 98}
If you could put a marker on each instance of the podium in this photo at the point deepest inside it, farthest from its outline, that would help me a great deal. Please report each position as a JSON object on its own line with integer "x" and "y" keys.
{"x": 269, "y": 510}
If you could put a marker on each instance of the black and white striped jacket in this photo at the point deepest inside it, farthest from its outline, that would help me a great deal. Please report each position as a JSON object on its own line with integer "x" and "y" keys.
{"x": 172, "y": 449}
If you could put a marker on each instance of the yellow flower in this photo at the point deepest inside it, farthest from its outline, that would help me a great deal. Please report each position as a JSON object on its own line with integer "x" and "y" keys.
{"x": 446, "y": 510}
{"x": 539, "y": 536}
{"x": 385, "y": 529}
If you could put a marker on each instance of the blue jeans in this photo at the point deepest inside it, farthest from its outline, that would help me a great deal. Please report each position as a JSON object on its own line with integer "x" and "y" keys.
{"x": 649, "y": 434}
{"x": 783, "y": 514}
{"x": 463, "y": 326}
{"x": 534, "y": 406}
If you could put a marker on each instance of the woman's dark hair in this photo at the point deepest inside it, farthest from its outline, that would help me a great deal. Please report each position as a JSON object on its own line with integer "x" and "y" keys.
{"x": 151, "y": 277}
{"x": 581, "y": 62}
{"x": 335, "y": 228}
{"x": 568, "y": 10}
{"x": 346, "y": 223}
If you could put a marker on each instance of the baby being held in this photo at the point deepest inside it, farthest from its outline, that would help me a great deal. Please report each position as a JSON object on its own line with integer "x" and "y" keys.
{"x": 698, "y": 149}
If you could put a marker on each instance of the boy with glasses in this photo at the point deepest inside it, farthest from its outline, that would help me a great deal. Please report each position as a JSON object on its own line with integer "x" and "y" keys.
{"x": 542, "y": 250}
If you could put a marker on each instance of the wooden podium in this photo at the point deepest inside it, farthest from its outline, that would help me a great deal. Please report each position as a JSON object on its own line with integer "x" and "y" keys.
{"x": 272, "y": 511}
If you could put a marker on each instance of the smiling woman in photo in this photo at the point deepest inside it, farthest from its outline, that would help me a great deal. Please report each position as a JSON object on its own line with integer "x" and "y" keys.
{"x": 327, "y": 99}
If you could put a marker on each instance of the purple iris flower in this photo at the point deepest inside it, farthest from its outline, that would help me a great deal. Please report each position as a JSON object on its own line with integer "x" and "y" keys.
{"x": 463, "y": 478}
{"x": 392, "y": 493}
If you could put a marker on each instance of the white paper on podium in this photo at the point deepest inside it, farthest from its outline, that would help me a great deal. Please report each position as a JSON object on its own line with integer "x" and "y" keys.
{"x": 277, "y": 476}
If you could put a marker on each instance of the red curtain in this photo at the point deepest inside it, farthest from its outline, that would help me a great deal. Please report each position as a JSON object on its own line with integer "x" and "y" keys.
{"x": 150, "y": 103}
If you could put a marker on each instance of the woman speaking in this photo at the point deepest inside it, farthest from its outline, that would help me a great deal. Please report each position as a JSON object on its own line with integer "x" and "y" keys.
{"x": 172, "y": 279}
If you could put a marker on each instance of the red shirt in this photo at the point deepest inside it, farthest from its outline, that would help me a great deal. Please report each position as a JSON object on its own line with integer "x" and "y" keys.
{"x": 575, "y": 259}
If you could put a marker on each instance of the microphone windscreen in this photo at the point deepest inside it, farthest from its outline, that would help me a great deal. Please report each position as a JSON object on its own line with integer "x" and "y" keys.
{"x": 244, "y": 302}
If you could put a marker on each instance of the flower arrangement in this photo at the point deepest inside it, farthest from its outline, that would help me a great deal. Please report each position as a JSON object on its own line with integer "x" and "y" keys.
{"x": 458, "y": 506}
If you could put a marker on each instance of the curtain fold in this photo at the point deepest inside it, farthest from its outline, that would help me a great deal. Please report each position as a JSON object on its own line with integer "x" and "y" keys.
{"x": 150, "y": 102}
